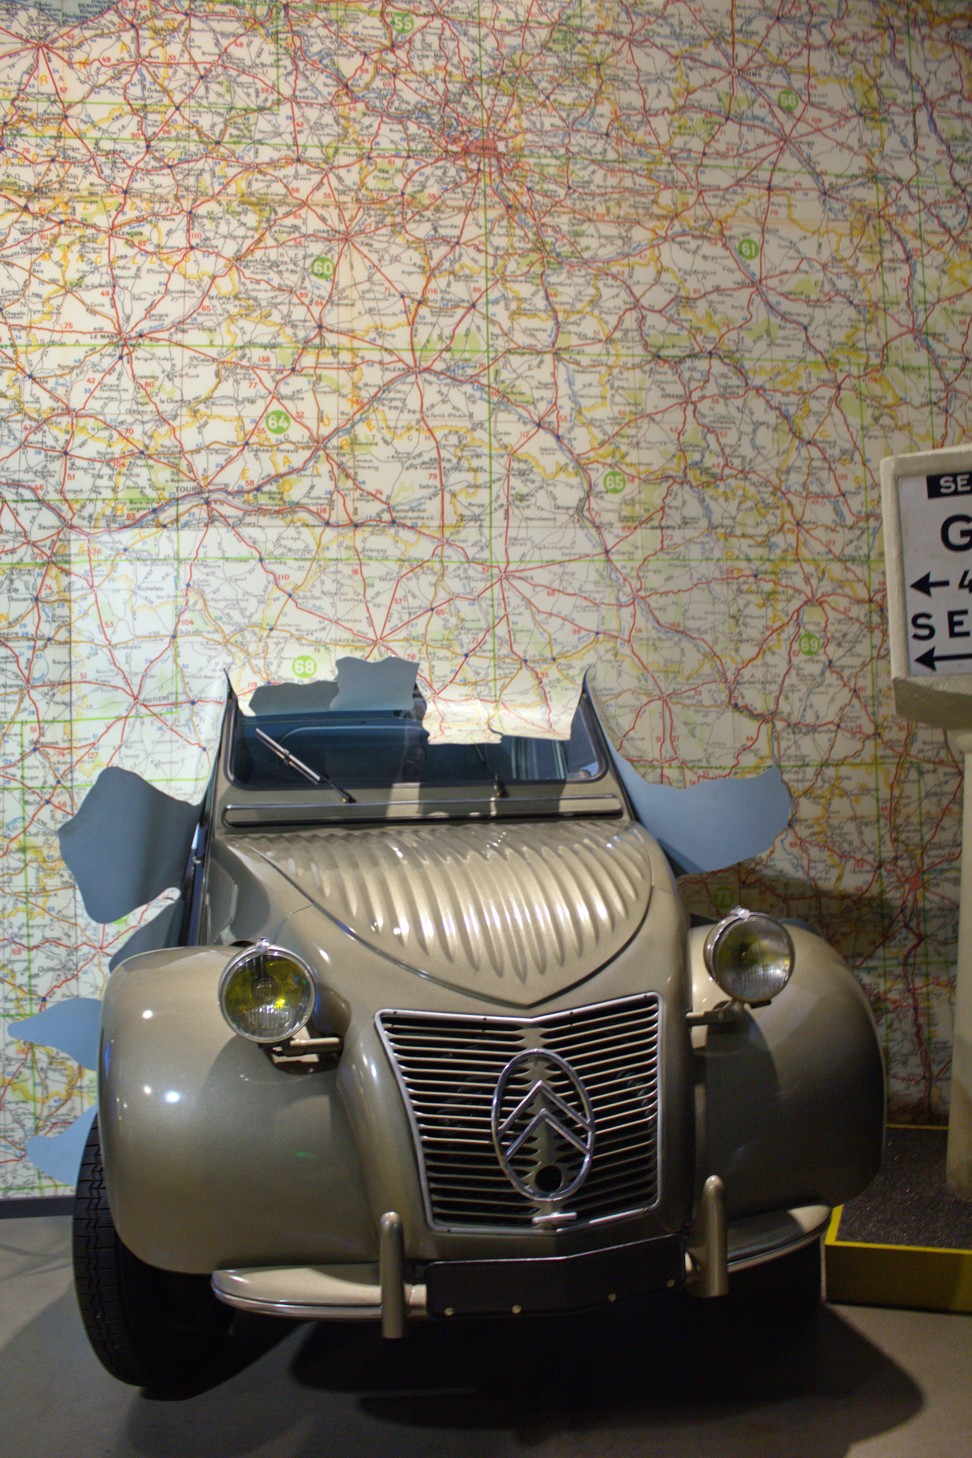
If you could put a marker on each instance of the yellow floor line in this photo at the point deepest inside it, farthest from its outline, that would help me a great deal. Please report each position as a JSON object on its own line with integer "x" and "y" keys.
{"x": 918, "y": 1277}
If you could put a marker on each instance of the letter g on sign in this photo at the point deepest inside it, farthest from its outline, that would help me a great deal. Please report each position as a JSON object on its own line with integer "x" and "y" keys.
{"x": 957, "y": 533}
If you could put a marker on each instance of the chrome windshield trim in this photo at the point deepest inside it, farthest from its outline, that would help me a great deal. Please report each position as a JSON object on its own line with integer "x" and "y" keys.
{"x": 262, "y": 811}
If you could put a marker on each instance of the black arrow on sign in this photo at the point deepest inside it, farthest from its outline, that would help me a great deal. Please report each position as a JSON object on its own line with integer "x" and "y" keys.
{"x": 925, "y": 584}
{"x": 931, "y": 659}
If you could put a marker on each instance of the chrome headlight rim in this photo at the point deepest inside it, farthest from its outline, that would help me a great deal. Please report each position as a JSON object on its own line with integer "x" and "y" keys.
{"x": 304, "y": 1009}
{"x": 753, "y": 925}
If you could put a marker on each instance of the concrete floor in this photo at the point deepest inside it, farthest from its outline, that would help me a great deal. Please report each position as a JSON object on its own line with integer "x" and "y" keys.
{"x": 649, "y": 1379}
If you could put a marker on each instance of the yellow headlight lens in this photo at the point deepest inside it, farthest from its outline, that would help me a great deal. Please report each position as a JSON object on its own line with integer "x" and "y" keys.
{"x": 750, "y": 955}
{"x": 266, "y": 994}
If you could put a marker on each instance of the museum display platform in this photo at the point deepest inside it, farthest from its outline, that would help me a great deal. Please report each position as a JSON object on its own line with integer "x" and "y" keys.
{"x": 907, "y": 1241}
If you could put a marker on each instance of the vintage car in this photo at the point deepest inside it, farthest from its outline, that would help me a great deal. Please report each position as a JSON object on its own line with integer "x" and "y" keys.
{"x": 440, "y": 1041}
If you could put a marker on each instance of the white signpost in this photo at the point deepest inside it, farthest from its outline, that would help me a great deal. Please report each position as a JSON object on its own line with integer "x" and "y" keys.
{"x": 927, "y": 505}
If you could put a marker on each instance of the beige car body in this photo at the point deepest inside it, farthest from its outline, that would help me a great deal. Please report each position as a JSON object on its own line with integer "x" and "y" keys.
{"x": 301, "y": 1185}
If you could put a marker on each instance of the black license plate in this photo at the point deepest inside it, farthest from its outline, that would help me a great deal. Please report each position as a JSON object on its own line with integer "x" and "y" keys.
{"x": 553, "y": 1283}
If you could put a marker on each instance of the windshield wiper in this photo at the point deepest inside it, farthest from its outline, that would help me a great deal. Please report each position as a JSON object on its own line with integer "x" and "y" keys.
{"x": 499, "y": 789}
{"x": 292, "y": 762}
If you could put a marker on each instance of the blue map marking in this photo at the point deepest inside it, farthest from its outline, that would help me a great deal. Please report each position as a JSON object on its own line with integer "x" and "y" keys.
{"x": 713, "y": 824}
{"x": 385, "y": 684}
{"x": 59, "y": 1155}
{"x": 127, "y": 843}
{"x": 70, "y": 1026}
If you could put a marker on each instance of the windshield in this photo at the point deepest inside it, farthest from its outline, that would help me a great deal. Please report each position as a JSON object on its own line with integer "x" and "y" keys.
{"x": 340, "y": 752}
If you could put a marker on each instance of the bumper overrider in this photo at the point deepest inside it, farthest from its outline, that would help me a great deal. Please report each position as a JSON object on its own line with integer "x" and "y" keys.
{"x": 393, "y": 1290}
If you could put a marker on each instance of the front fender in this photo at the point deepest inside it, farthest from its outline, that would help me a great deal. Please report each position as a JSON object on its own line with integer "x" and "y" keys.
{"x": 792, "y": 1094}
{"x": 213, "y": 1155}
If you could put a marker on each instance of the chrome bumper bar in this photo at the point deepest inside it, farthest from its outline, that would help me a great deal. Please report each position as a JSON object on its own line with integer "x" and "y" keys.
{"x": 379, "y": 1291}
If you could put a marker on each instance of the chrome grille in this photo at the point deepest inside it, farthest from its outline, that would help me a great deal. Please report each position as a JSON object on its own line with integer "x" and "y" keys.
{"x": 448, "y": 1068}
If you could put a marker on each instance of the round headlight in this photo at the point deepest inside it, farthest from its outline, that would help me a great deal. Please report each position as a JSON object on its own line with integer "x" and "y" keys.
{"x": 266, "y": 994}
{"x": 750, "y": 956}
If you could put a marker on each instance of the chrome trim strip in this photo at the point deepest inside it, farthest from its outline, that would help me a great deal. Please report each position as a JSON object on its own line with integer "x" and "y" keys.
{"x": 313, "y": 1293}
{"x": 301, "y": 1311}
{"x": 240, "y": 815}
{"x": 756, "y": 1239}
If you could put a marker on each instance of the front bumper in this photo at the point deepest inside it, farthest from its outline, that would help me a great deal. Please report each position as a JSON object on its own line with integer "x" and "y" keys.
{"x": 382, "y": 1292}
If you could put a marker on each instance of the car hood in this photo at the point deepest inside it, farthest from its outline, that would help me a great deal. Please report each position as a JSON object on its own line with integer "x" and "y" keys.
{"x": 518, "y": 910}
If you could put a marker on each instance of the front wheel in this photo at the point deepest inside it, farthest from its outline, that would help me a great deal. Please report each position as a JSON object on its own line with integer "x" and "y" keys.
{"x": 152, "y": 1328}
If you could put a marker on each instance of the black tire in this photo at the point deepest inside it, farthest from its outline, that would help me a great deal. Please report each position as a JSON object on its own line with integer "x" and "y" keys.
{"x": 152, "y": 1328}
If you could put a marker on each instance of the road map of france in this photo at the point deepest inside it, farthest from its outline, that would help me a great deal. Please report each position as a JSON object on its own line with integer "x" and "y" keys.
{"x": 519, "y": 340}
